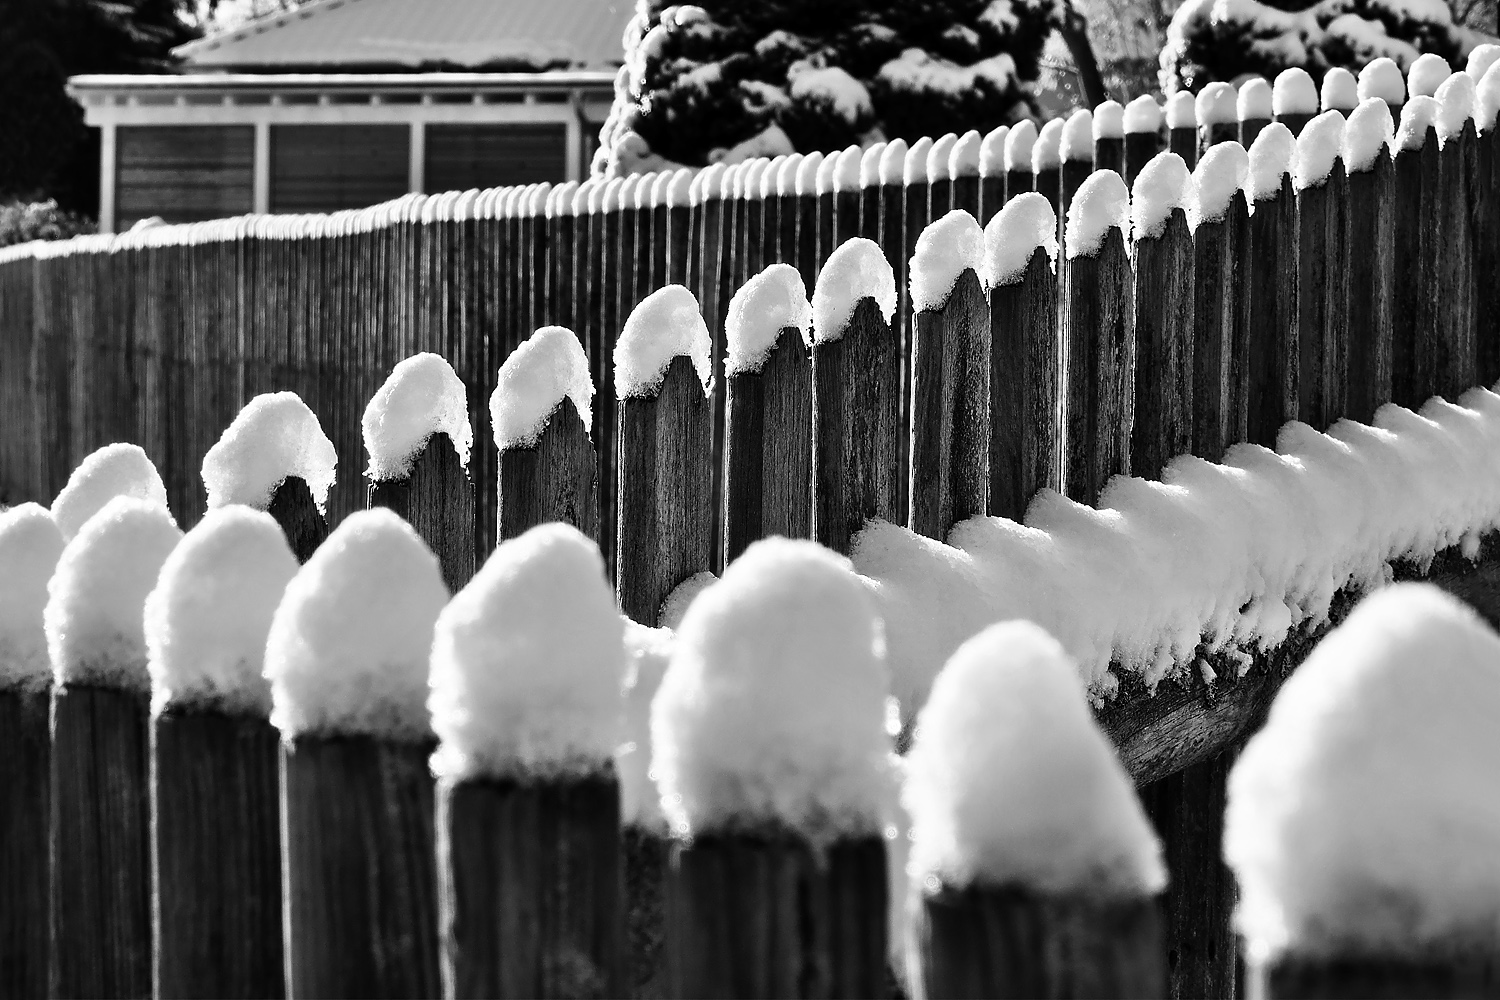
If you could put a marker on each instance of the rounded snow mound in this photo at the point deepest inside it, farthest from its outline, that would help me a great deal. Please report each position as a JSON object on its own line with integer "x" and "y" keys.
{"x": 422, "y": 397}
{"x": 274, "y": 437}
{"x": 539, "y": 374}
{"x": 116, "y": 470}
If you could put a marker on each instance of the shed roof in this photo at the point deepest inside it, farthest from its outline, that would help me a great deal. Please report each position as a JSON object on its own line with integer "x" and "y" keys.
{"x": 371, "y": 35}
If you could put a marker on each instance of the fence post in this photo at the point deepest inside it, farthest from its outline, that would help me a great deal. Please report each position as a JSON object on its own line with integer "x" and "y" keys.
{"x": 274, "y": 457}
{"x": 825, "y": 202}
{"x": 527, "y": 662}
{"x": 856, "y": 395}
{"x": 1371, "y": 251}
{"x": 1046, "y": 164}
{"x": 414, "y": 474}
{"x": 950, "y": 410}
{"x": 1142, "y": 135}
{"x": 991, "y": 174}
{"x": 786, "y": 209}
{"x": 1218, "y": 226}
{"x": 1098, "y": 347}
{"x": 1263, "y": 395}
{"x": 1416, "y": 248}
{"x": 1453, "y": 362}
{"x": 1109, "y": 137}
{"x": 215, "y": 793}
{"x": 768, "y": 412}
{"x": 869, "y": 191}
{"x": 963, "y": 170}
{"x": 939, "y": 180}
{"x": 770, "y": 211}
{"x": 1076, "y": 153}
{"x": 1025, "y": 355}
{"x": 763, "y": 895}
{"x": 1182, "y": 127}
{"x": 1253, "y": 106}
{"x": 846, "y": 199}
{"x": 1322, "y": 271}
{"x": 99, "y": 853}
{"x": 806, "y": 258}
{"x": 1426, "y": 75}
{"x": 540, "y": 415}
{"x": 1162, "y": 427}
{"x": 1215, "y": 112}
{"x": 997, "y": 912}
{"x": 658, "y": 239}
{"x": 646, "y": 841}
{"x": 1020, "y": 143}
{"x": 347, "y": 658}
{"x": 1294, "y": 99}
{"x": 665, "y": 387}
{"x": 750, "y": 214}
{"x": 1382, "y": 78}
{"x": 1339, "y": 92}
{"x": 918, "y": 199}
{"x": 1323, "y": 812}
{"x": 30, "y": 545}
{"x": 1487, "y": 231}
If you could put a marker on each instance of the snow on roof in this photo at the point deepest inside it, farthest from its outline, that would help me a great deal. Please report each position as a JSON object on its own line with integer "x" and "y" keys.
{"x": 772, "y": 301}
{"x": 207, "y": 618}
{"x": 1340, "y": 90}
{"x": 1143, "y": 115}
{"x": 1020, "y": 143}
{"x": 1382, "y": 78}
{"x": 1219, "y": 175}
{"x": 1011, "y": 783}
{"x": 855, "y": 271}
{"x": 1077, "y": 142}
{"x": 1163, "y": 186}
{"x": 1294, "y": 93}
{"x": 1427, "y": 74}
{"x": 1254, "y": 100}
{"x": 112, "y": 471}
{"x": 1215, "y": 104}
{"x": 1363, "y": 817}
{"x": 1367, "y": 134}
{"x": 422, "y": 397}
{"x": 945, "y": 249}
{"x": 548, "y": 367}
{"x": 667, "y": 324}
{"x": 1101, "y": 204}
{"x": 30, "y": 546}
{"x": 273, "y": 437}
{"x": 1318, "y": 148}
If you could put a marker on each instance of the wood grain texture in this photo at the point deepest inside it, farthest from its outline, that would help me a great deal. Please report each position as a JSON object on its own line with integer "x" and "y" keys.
{"x": 1485, "y": 206}
{"x": 939, "y": 196}
{"x": 437, "y": 499}
{"x": 1140, "y": 147}
{"x": 1007, "y": 942}
{"x": 359, "y": 868}
{"x": 1263, "y": 391}
{"x": 966, "y": 194}
{"x": 1184, "y": 142}
{"x": 1370, "y": 240}
{"x": 1049, "y": 185}
{"x": 552, "y": 481}
{"x": 646, "y": 854}
{"x": 25, "y": 765}
{"x": 1100, "y": 376}
{"x": 1018, "y": 182}
{"x": 1109, "y": 154}
{"x": 762, "y": 916}
{"x": 1448, "y": 364}
{"x": 99, "y": 861}
{"x": 1211, "y": 135}
{"x": 1410, "y": 263}
{"x": 532, "y": 889}
{"x": 856, "y": 399}
{"x": 950, "y": 411}
{"x": 665, "y": 529}
{"x": 1025, "y": 385}
{"x": 1294, "y": 121}
{"x": 216, "y": 856}
{"x": 1322, "y": 301}
{"x": 845, "y": 217}
{"x": 1252, "y": 127}
{"x": 1162, "y": 427}
{"x": 1376, "y": 977}
{"x": 991, "y": 197}
{"x": 303, "y": 524}
{"x": 768, "y": 449}
{"x": 1216, "y": 255}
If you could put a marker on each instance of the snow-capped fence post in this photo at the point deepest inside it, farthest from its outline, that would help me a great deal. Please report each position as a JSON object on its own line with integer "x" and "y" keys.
{"x": 645, "y": 839}
{"x": 1453, "y": 353}
{"x": 1109, "y": 137}
{"x": 215, "y": 790}
{"x": 658, "y": 238}
{"x": 1020, "y": 266}
{"x": 527, "y": 666}
{"x": 1218, "y": 227}
{"x": 771, "y": 201}
{"x": 99, "y": 853}
{"x": 535, "y": 240}
{"x": 1181, "y": 116}
{"x": 1263, "y": 368}
{"x": 826, "y": 223}
{"x": 30, "y": 544}
{"x": 1486, "y": 207}
{"x": 421, "y": 478}
{"x": 1162, "y": 427}
{"x": 1416, "y": 248}
{"x": 892, "y": 207}
{"x": 786, "y": 209}
{"x": 1322, "y": 271}
{"x": 991, "y": 174}
{"x": 347, "y": 658}
{"x": 1046, "y": 164}
{"x": 950, "y": 377}
{"x": 846, "y": 199}
{"x": 772, "y": 764}
{"x": 562, "y": 256}
{"x": 664, "y": 383}
{"x": 1142, "y": 135}
{"x": 963, "y": 169}
{"x": 1020, "y": 142}
{"x": 1370, "y": 242}
{"x": 581, "y": 272}
{"x": 768, "y": 412}
{"x": 1076, "y": 156}
{"x": 1294, "y": 99}
{"x": 1053, "y": 892}
{"x": 751, "y": 217}
{"x": 1253, "y": 107}
{"x": 1364, "y": 868}
{"x": 856, "y": 396}
{"x": 869, "y": 192}
{"x": 709, "y": 245}
{"x": 806, "y": 255}
{"x": 275, "y": 457}
{"x": 939, "y": 180}
{"x": 540, "y": 415}
{"x": 1215, "y": 112}
{"x": 630, "y": 268}
{"x": 915, "y": 218}
{"x": 1100, "y": 377}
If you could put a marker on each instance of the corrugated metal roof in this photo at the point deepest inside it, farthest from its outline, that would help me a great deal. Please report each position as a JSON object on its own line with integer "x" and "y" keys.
{"x": 423, "y": 34}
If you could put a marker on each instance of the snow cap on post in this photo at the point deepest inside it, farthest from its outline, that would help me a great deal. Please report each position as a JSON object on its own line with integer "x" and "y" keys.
{"x": 827, "y": 171}
{"x": 992, "y": 152}
{"x": 1143, "y": 115}
{"x": 30, "y": 546}
{"x": 786, "y": 175}
{"x": 422, "y": 397}
{"x": 1109, "y": 121}
{"x": 667, "y": 324}
{"x": 846, "y": 169}
{"x": 856, "y": 270}
{"x": 207, "y": 619}
{"x": 945, "y": 249}
{"x": 1077, "y": 142}
{"x": 711, "y": 182}
{"x": 1271, "y": 156}
{"x": 547, "y": 368}
{"x": 963, "y": 159}
{"x": 768, "y": 177}
{"x": 679, "y": 191}
{"x": 1047, "y": 153}
{"x": 1340, "y": 91}
{"x": 1417, "y": 118}
{"x": 1255, "y": 100}
{"x": 97, "y": 595}
{"x": 1382, "y": 78}
{"x": 1024, "y": 225}
{"x": 1217, "y": 177}
{"x": 807, "y": 174}
{"x": 348, "y": 648}
{"x": 1294, "y": 93}
{"x": 1163, "y": 186}
{"x": 1456, "y": 100}
{"x": 1215, "y": 104}
{"x": 1427, "y": 74}
{"x": 1182, "y": 111}
{"x": 528, "y": 662}
{"x": 893, "y": 162}
{"x": 648, "y": 651}
{"x": 914, "y": 170}
{"x": 1487, "y": 100}
{"x": 752, "y": 172}
{"x": 937, "y": 156}
{"x": 1101, "y": 204}
{"x": 772, "y": 301}
{"x": 1010, "y": 782}
{"x": 274, "y": 437}
{"x": 1367, "y": 133}
{"x": 116, "y": 470}
{"x": 771, "y": 715}
{"x": 1317, "y": 150}
{"x": 1363, "y": 817}
{"x": 1481, "y": 59}
{"x": 869, "y": 165}
{"x": 1020, "y": 144}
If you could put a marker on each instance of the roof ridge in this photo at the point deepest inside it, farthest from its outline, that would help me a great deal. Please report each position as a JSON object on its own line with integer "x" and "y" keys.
{"x": 259, "y": 24}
